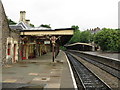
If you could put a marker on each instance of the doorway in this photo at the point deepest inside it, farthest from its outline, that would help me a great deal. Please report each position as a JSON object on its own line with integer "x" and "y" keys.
{"x": 14, "y": 53}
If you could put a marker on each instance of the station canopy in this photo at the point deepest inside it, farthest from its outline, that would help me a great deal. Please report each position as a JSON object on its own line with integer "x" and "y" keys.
{"x": 63, "y": 34}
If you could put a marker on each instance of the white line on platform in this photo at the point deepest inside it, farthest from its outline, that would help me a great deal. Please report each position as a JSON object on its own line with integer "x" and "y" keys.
{"x": 74, "y": 82}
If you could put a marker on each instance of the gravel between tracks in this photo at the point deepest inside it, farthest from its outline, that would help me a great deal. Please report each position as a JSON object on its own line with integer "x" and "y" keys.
{"x": 112, "y": 81}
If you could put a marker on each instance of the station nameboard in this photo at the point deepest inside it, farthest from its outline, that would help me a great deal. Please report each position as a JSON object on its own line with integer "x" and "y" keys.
{"x": 46, "y": 42}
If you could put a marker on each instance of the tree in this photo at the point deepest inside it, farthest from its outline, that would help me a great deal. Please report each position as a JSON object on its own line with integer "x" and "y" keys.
{"x": 75, "y": 37}
{"x": 32, "y": 25}
{"x": 85, "y": 37}
{"x": 75, "y": 27}
{"x": 11, "y": 22}
{"x": 108, "y": 39}
{"x": 45, "y": 25}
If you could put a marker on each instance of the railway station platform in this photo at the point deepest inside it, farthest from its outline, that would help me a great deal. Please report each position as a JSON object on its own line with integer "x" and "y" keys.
{"x": 105, "y": 54}
{"x": 39, "y": 71}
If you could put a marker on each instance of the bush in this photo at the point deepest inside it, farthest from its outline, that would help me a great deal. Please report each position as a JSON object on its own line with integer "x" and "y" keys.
{"x": 63, "y": 48}
{"x": 108, "y": 40}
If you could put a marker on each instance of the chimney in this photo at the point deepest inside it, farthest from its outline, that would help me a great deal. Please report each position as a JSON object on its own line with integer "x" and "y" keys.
{"x": 22, "y": 16}
{"x": 28, "y": 21}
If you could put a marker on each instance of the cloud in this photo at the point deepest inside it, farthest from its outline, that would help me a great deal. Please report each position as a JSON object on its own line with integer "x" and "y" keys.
{"x": 65, "y": 13}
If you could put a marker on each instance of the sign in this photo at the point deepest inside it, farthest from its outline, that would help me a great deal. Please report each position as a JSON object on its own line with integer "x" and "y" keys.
{"x": 46, "y": 42}
{"x": 32, "y": 43}
{"x": 53, "y": 39}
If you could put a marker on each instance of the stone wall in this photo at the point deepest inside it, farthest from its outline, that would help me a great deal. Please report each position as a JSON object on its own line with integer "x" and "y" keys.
{"x": 4, "y": 33}
{"x": 0, "y": 33}
{"x": 14, "y": 39}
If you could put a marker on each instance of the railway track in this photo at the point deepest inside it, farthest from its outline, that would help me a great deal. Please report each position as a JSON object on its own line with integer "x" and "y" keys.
{"x": 86, "y": 80}
{"x": 111, "y": 70}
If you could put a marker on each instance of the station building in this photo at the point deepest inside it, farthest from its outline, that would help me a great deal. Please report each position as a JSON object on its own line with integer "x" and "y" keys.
{"x": 82, "y": 46}
{"x": 9, "y": 40}
{"x": 21, "y": 41}
{"x": 79, "y": 46}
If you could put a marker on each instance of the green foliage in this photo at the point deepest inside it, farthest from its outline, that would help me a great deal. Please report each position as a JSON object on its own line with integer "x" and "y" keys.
{"x": 76, "y": 36}
{"x": 11, "y": 22}
{"x": 45, "y": 25}
{"x": 32, "y": 25}
{"x": 62, "y": 48}
{"x": 108, "y": 39}
{"x": 75, "y": 27}
{"x": 85, "y": 37}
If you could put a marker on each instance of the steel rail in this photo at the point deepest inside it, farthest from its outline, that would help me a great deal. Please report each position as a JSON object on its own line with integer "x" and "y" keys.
{"x": 111, "y": 70}
{"x": 88, "y": 78}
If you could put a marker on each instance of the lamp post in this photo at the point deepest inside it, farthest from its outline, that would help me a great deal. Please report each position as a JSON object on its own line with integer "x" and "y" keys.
{"x": 53, "y": 52}
{"x": 53, "y": 39}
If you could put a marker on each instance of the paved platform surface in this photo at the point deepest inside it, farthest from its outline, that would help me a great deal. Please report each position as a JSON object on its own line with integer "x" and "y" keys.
{"x": 40, "y": 71}
{"x": 110, "y": 55}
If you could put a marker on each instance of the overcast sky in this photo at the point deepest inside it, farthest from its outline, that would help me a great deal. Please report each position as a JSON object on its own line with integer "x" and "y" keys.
{"x": 65, "y": 13}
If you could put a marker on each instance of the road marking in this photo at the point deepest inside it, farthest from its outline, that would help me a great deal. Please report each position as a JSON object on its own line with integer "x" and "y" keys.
{"x": 41, "y": 79}
{"x": 74, "y": 82}
{"x": 9, "y": 80}
{"x": 8, "y": 66}
{"x": 34, "y": 74}
{"x": 53, "y": 85}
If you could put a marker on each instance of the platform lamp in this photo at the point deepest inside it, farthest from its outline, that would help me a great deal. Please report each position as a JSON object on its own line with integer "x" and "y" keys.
{"x": 53, "y": 39}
